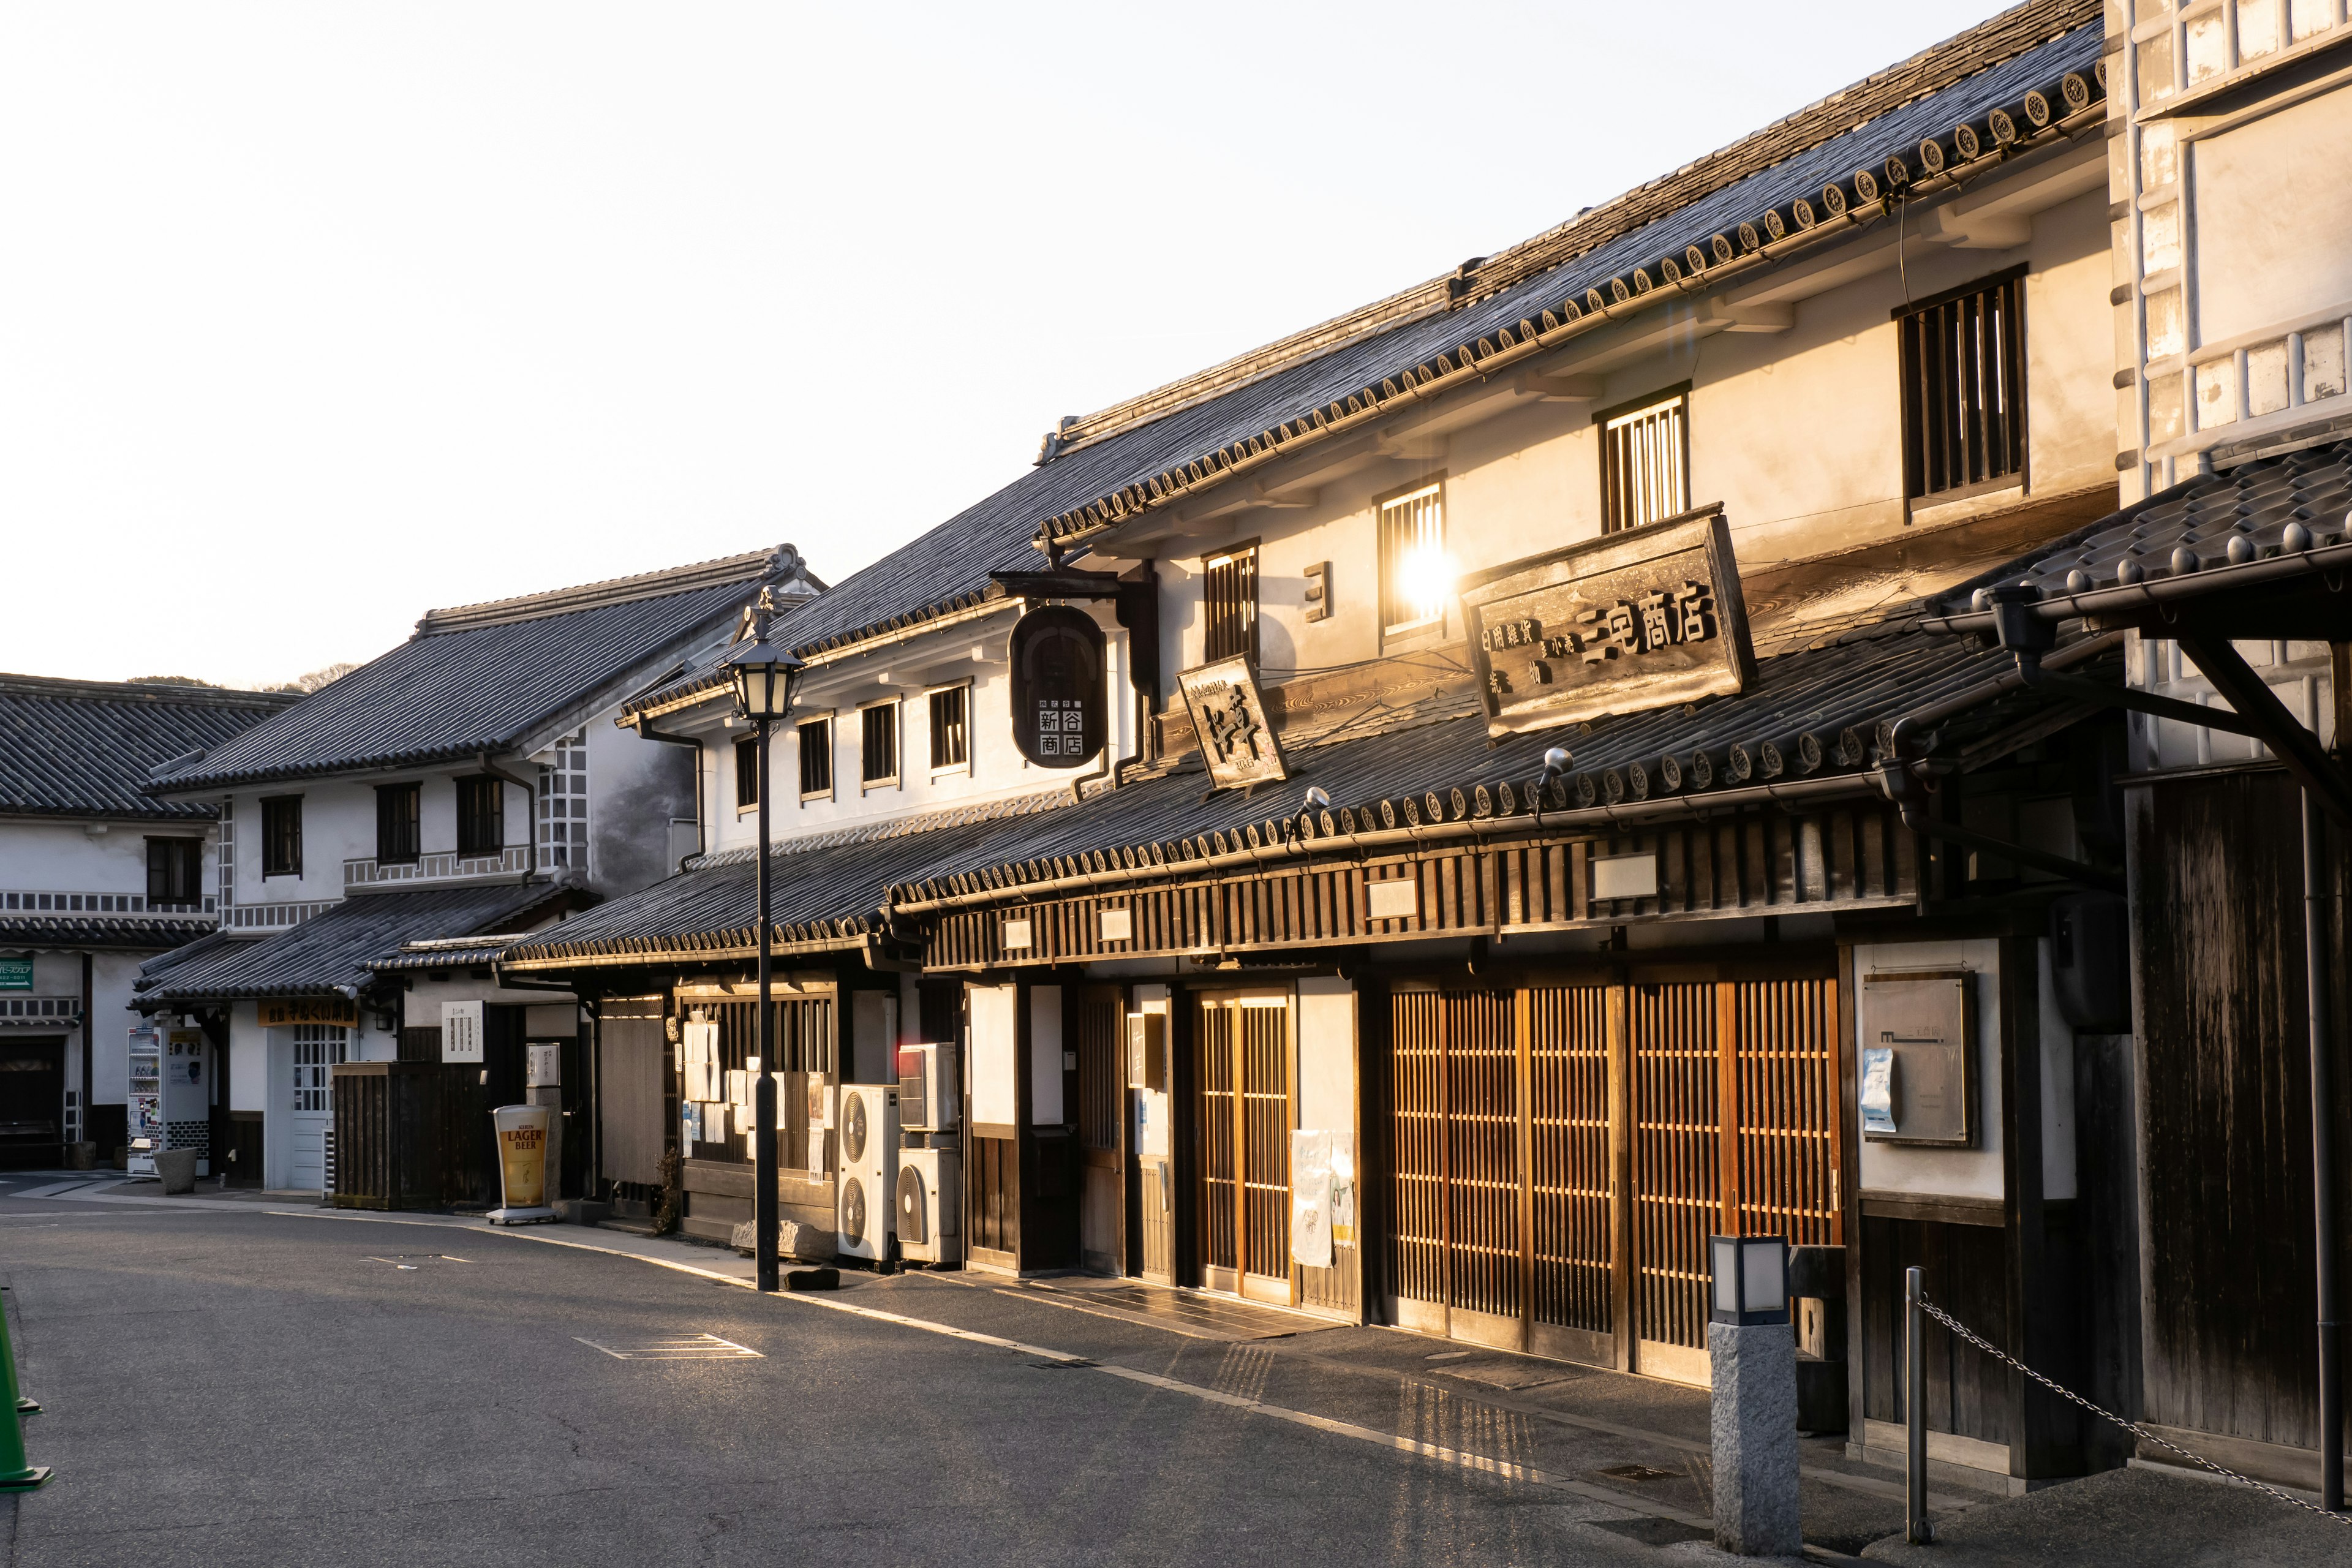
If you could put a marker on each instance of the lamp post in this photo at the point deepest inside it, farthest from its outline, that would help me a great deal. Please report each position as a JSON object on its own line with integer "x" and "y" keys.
{"x": 1752, "y": 1402}
{"x": 765, "y": 678}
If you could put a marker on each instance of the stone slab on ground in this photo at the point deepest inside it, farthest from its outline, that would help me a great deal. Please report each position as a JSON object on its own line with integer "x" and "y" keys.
{"x": 793, "y": 1239}
{"x": 2132, "y": 1517}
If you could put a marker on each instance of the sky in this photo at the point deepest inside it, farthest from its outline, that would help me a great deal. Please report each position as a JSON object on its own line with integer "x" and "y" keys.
{"x": 316, "y": 316}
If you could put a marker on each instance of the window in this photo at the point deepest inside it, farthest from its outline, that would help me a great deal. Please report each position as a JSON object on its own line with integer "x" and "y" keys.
{"x": 878, "y": 759}
{"x": 563, "y": 804}
{"x": 175, "y": 870}
{"x": 399, "y": 837}
{"x": 747, "y": 772}
{"x": 481, "y": 814}
{"x": 950, "y": 733}
{"x": 1964, "y": 389}
{"x": 817, "y": 758}
{"x": 1229, "y": 603}
{"x": 318, "y": 1049}
{"x": 1415, "y": 577}
{"x": 1645, "y": 461}
{"x": 281, "y": 836}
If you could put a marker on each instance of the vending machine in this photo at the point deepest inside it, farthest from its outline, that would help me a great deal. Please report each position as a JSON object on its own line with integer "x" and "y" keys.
{"x": 170, "y": 1098}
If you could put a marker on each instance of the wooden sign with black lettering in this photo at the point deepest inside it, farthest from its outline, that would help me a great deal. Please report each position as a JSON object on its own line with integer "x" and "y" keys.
{"x": 1647, "y": 618}
{"x": 1229, "y": 716}
{"x": 1058, "y": 687}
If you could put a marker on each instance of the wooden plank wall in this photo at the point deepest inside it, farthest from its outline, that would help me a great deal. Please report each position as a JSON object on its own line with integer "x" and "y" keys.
{"x": 1855, "y": 856}
{"x": 2225, "y": 1092}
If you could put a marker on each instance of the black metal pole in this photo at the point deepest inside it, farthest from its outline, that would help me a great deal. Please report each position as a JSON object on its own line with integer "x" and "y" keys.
{"x": 1917, "y": 1529}
{"x": 763, "y": 1088}
{"x": 2317, "y": 896}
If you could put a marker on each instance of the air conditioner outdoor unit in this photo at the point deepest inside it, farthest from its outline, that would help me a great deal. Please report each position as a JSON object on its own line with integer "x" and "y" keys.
{"x": 930, "y": 1202}
{"x": 868, "y": 1133}
{"x": 930, "y": 1094}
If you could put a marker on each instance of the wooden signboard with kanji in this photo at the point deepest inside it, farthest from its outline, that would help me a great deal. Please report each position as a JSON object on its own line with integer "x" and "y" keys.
{"x": 1642, "y": 619}
{"x": 1229, "y": 716}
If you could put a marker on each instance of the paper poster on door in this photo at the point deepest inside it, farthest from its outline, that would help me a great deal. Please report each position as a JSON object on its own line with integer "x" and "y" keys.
{"x": 1310, "y": 1199}
{"x": 1343, "y": 1189}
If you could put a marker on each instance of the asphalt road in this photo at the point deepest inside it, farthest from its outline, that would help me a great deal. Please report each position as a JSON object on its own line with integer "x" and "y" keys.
{"x": 230, "y": 1388}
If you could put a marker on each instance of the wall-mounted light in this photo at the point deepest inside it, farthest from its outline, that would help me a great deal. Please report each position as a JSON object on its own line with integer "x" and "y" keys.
{"x": 1749, "y": 1281}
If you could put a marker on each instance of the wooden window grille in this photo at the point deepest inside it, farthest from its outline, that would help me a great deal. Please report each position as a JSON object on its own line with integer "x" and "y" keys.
{"x": 1414, "y": 582}
{"x": 281, "y": 836}
{"x": 1963, "y": 388}
{"x": 399, "y": 833}
{"x": 481, "y": 814}
{"x": 747, "y": 771}
{"x": 1229, "y": 603}
{"x": 951, "y": 727}
{"x": 1645, "y": 462}
{"x": 175, "y": 868}
{"x": 817, "y": 758}
{"x": 878, "y": 759}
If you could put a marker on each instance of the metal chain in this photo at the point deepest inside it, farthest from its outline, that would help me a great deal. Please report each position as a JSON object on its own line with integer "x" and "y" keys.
{"x": 2133, "y": 1428}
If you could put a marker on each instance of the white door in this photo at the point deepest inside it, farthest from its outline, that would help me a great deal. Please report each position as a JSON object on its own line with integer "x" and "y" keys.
{"x": 317, "y": 1049}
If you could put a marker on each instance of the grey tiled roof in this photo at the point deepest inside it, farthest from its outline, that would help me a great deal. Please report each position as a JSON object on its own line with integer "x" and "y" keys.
{"x": 83, "y": 748}
{"x": 124, "y": 934}
{"x": 830, "y": 890}
{"x": 2259, "y": 522}
{"x": 476, "y": 680}
{"x": 329, "y": 951}
{"x": 948, "y": 568}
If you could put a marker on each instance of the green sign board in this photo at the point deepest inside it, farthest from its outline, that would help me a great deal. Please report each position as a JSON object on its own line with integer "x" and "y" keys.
{"x": 15, "y": 974}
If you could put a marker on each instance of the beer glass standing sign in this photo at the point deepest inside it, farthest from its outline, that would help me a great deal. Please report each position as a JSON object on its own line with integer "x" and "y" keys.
{"x": 1058, "y": 687}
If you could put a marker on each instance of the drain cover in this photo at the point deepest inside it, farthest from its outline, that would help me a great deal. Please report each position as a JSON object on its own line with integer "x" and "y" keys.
{"x": 1639, "y": 1473}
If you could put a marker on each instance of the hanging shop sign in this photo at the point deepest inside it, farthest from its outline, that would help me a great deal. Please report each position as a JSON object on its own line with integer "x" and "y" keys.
{"x": 461, "y": 1031}
{"x": 284, "y": 1012}
{"x": 1058, "y": 687}
{"x": 1642, "y": 619}
{"x": 1229, "y": 716}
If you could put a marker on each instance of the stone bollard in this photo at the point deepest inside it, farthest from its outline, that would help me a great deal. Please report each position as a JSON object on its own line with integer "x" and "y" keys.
{"x": 1752, "y": 1420}
{"x": 177, "y": 1170}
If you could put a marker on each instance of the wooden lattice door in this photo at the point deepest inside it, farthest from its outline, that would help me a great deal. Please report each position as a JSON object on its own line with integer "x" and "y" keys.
{"x": 1241, "y": 1121}
{"x": 1736, "y": 1132}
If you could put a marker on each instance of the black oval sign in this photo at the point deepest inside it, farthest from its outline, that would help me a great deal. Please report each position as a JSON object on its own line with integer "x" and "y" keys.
{"x": 1058, "y": 687}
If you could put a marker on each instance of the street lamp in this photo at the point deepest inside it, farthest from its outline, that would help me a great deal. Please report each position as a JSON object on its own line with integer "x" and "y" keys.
{"x": 1750, "y": 1278}
{"x": 765, "y": 679}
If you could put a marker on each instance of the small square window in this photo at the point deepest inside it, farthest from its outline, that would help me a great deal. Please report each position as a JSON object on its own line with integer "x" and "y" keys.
{"x": 1415, "y": 579}
{"x": 175, "y": 868}
{"x": 950, "y": 731}
{"x": 1229, "y": 603}
{"x": 281, "y": 836}
{"x": 878, "y": 755}
{"x": 399, "y": 839}
{"x": 747, "y": 772}
{"x": 817, "y": 758}
{"x": 1645, "y": 462}
{"x": 481, "y": 814}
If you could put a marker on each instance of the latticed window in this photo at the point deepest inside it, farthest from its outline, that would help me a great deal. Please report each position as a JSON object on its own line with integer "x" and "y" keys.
{"x": 399, "y": 836}
{"x": 817, "y": 758}
{"x": 481, "y": 814}
{"x": 318, "y": 1049}
{"x": 563, "y": 804}
{"x": 1963, "y": 388}
{"x": 951, "y": 727}
{"x": 281, "y": 836}
{"x": 1229, "y": 603}
{"x": 747, "y": 771}
{"x": 1645, "y": 462}
{"x": 878, "y": 758}
{"x": 1415, "y": 579}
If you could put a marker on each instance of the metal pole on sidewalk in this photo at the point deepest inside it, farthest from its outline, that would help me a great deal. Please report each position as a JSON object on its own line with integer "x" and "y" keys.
{"x": 763, "y": 1088}
{"x": 1916, "y": 1528}
{"x": 2316, "y": 895}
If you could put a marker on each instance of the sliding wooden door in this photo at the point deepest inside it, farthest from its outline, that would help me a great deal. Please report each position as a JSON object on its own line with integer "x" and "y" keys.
{"x": 1241, "y": 1121}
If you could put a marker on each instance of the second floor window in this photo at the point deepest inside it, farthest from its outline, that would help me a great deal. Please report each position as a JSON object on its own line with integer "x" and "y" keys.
{"x": 1229, "y": 603}
{"x": 1964, "y": 389}
{"x": 817, "y": 758}
{"x": 1415, "y": 579}
{"x": 878, "y": 758}
{"x": 281, "y": 836}
{"x": 747, "y": 772}
{"x": 481, "y": 814}
{"x": 399, "y": 836}
{"x": 175, "y": 871}
{"x": 1645, "y": 462}
{"x": 950, "y": 733}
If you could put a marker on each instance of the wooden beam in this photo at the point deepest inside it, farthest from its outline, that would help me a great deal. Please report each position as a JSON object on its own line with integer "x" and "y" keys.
{"x": 2296, "y": 747}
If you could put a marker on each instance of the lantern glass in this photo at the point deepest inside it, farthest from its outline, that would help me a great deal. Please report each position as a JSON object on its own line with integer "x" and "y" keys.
{"x": 1748, "y": 1279}
{"x": 765, "y": 678}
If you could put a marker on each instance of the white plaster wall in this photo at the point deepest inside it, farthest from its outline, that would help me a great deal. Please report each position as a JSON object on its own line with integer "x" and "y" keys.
{"x": 634, "y": 787}
{"x": 248, "y": 1067}
{"x": 1327, "y": 1055}
{"x": 96, "y": 856}
{"x": 2269, "y": 209}
{"x": 112, "y": 975}
{"x": 1941, "y": 1172}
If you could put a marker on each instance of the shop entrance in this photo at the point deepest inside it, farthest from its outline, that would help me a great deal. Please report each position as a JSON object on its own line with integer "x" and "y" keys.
{"x": 1242, "y": 1090}
{"x": 32, "y": 1104}
{"x": 1561, "y": 1153}
{"x": 318, "y": 1049}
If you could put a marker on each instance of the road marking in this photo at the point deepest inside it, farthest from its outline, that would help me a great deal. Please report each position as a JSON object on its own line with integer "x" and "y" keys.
{"x": 685, "y": 1347}
{"x": 410, "y": 1267}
